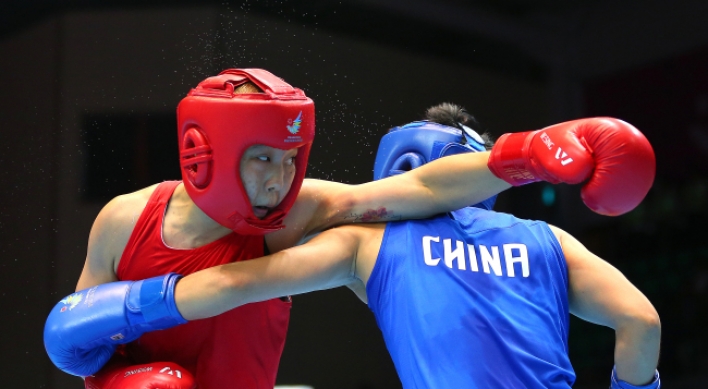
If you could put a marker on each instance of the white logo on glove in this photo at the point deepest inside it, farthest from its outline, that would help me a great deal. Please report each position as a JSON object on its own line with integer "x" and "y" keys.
{"x": 547, "y": 141}
{"x": 562, "y": 154}
{"x": 169, "y": 371}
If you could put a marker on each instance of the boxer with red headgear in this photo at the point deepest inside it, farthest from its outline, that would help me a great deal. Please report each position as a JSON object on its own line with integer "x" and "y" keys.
{"x": 216, "y": 127}
{"x": 244, "y": 139}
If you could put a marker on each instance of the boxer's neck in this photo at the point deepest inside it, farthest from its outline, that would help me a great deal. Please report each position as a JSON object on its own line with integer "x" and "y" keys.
{"x": 186, "y": 226}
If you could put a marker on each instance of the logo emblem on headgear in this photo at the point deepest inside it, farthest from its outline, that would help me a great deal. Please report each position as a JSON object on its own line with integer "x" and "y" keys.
{"x": 294, "y": 125}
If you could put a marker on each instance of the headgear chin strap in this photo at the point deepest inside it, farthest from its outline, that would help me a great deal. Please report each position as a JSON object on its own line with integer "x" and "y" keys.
{"x": 216, "y": 126}
{"x": 410, "y": 146}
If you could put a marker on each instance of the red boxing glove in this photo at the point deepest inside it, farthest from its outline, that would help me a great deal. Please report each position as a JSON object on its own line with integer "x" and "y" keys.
{"x": 119, "y": 374}
{"x": 616, "y": 157}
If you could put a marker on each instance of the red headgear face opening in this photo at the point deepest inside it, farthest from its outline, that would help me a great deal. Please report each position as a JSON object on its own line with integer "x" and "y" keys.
{"x": 216, "y": 126}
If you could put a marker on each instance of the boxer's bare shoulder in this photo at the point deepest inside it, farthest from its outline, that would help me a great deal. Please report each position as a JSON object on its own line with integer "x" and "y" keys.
{"x": 109, "y": 235}
{"x": 122, "y": 212}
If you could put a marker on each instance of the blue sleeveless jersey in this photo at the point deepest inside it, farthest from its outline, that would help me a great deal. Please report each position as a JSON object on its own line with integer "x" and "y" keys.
{"x": 476, "y": 300}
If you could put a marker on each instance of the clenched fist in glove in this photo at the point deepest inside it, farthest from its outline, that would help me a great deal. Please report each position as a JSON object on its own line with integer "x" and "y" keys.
{"x": 613, "y": 156}
{"x": 120, "y": 373}
{"x": 85, "y": 328}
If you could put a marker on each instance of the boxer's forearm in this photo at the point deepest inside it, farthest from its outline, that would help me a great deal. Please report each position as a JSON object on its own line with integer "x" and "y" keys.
{"x": 457, "y": 181}
{"x": 327, "y": 261}
{"x": 205, "y": 293}
{"x": 637, "y": 349}
{"x": 444, "y": 185}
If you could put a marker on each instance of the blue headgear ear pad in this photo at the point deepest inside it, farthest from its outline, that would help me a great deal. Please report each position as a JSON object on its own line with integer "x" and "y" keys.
{"x": 407, "y": 161}
{"x": 410, "y": 146}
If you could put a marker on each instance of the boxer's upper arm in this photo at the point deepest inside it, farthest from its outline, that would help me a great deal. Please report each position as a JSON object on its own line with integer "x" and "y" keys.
{"x": 99, "y": 265}
{"x": 304, "y": 219}
{"x": 598, "y": 292}
{"x": 324, "y": 204}
{"x": 108, "y": 237}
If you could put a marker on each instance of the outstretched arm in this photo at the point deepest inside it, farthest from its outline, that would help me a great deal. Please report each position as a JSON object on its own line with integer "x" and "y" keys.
{"x": 83, "y": 330}
{"x": 599, "y": 293}
{"x": 601, "y": 151}
{"x": 325, "y": 262}
{"x": 443, "y": 185}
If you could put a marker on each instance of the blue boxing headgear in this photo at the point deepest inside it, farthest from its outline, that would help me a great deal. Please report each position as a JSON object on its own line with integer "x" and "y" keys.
{"x": 410, "y": 146}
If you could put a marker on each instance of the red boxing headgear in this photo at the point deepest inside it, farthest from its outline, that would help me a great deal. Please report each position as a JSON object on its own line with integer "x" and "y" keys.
{"x": 216, "y": 126}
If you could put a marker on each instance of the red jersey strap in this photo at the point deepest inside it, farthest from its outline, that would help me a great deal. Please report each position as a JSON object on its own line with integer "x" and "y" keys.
{"x": 240, "y": 348}
{"x": 149, "y": 222}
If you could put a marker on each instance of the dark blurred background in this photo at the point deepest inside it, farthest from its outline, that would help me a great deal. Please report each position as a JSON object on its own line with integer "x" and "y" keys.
{"x": 88, "y": 94}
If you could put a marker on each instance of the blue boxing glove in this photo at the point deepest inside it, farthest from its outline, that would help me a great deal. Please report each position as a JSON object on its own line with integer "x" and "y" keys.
{"x": 616, "y": 383}
{"x": 84, "y": 329}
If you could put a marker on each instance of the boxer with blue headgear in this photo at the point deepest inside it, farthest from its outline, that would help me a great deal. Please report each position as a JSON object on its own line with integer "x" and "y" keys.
{"x": 410, "y": 146}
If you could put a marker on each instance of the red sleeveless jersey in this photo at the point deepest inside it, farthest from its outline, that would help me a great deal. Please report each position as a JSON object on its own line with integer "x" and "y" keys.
{"x": 237, "y": 349}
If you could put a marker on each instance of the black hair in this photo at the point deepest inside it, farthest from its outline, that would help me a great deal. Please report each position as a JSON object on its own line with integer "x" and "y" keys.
{"x": 453, "y": 115}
